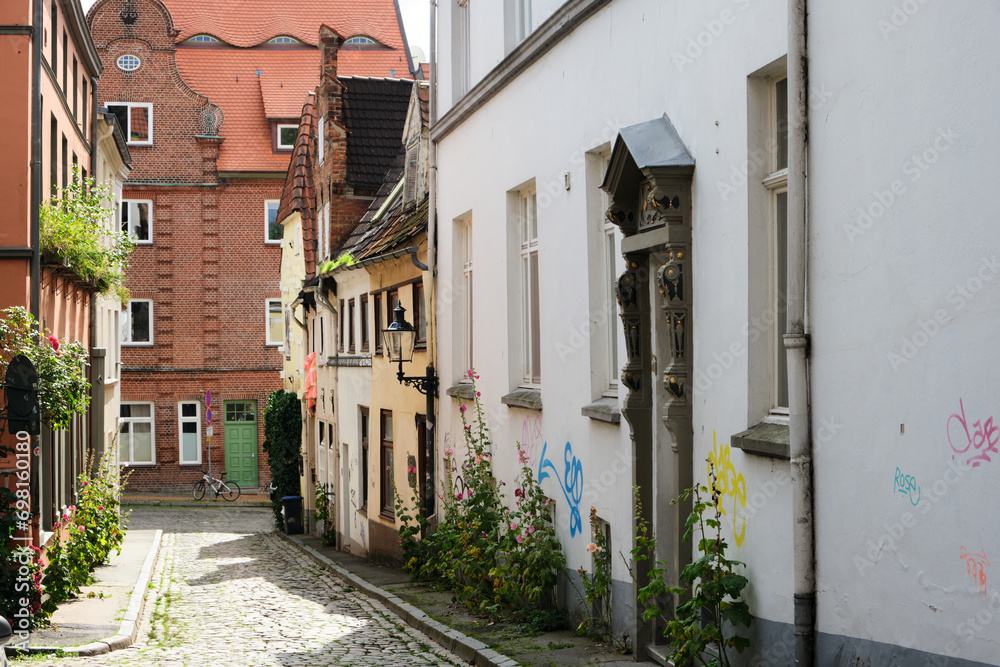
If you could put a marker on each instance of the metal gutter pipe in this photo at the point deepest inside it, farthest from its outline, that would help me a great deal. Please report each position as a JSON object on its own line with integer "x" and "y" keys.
{"x": 797, "y": 337}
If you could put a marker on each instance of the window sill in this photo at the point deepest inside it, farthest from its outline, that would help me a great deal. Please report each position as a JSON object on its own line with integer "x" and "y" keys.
{"x": 604, "y": 409}
{"x": 523, "y": 397}
{"x": 387, "y": 516}
{"x": 764, "y": 439}
{"x": 363, "y": 511}
{"x": 463, "y": 390}
{"x": 137, "y": 345}
{"x": 277, "y": 345}
{"x": 111, "y": 382}
{"x": 126, "y": 464}
{"x": 190, "y": 465}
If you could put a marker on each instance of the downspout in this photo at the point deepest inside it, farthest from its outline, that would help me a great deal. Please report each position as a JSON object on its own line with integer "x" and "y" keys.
{"x": 429, "y": 455}
{"x": 797, "y": 337}
{"x": 35, "y": 284}
{"x": 97, "y": 370}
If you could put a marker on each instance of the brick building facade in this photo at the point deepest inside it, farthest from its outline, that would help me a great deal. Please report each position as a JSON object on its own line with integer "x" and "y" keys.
{"x": 210, "y": 98}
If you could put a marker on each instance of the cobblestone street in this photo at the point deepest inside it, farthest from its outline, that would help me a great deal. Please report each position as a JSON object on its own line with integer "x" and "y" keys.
{"x": 227, "y": 591}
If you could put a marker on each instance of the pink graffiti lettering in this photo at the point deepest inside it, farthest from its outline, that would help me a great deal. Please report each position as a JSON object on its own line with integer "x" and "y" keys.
{"x": 975, "y": 564}
{"x": 984, "y": 436}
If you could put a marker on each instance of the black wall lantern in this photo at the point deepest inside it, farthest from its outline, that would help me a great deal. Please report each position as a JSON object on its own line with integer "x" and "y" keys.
{"x": 400, "y": 338}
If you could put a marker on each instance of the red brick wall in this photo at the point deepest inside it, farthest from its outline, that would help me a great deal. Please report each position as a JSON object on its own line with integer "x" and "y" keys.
{"x": 208, "y": 270}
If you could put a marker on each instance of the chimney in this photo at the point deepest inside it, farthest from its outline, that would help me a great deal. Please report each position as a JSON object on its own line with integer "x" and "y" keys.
{"x": 330, "y": 88}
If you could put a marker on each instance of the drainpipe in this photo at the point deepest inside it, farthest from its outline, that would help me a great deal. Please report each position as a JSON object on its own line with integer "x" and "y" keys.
{"x": 36, "y": 202}
{"x": 797, "y": 338}
{"x": 429, "y": 456}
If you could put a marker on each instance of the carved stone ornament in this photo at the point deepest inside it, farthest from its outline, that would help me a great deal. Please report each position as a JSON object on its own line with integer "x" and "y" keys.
{"x": 128, "y": 14}
{"x": 631, "y": 380}
{"x": 676, "y": 322}
{"x": 670, "y": 277}
{"x": 632, "y": 342}
{"x": 628, "y": 297}
{"x": 674, "y": 384}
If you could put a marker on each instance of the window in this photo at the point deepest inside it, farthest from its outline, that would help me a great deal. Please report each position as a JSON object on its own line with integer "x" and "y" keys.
{"x": 364, "y": 322}
{"x": 321, "y": 139}
{"x": 65, "y": 59}
{"x": 136, "y": 218}
{"x": 286, "y": 136}
{"x": 128, "y": 62}
{"x": 530, "y": 328}
{"x": 65, "y": 162}
{"x": 76, "y": 89}
{"x": 189, "y": 432}
{"x": 275, "y": 322}
{"x": 341, "y": 316}
{"x": 777, "y": 185}
{"x": 467, "y": 289}
{"x": 203, "y": 39}
{"x": 137, "y": 327}
{"x": 272, "y": 228}
{"x": 283, "y": 39}
{"x": 55, "y": 40}
{"x": 420, "y": 314}
{"x": 322, "y": 337}
{"x": 606, "y": 264}
{"x": 522, "y": 19}
{"x": 83, "y": 111}
{"x": 136, "y": 437}
{"x": 364, "y": 457}
{"x": 54, "y": 155}
{"x": 377, "y": 307}
{"x": 385, "y": 463}
{"x": 288, "y": 333}
{"x": 463, "y": 52}
{"x": 136, "y": 120}
{"x": 360, "y": 40}
{"x": 350, "y": 326}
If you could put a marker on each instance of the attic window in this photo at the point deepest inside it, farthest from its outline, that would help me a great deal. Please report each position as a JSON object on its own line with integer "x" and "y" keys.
{"x": 412, "y": 161}
{"x": 128, "y": 63}
{"x": 283, "y": 39}
{"x": 360, "y": 40}
{"x": 204, "y": 39}
{"x": 286, "y": 134}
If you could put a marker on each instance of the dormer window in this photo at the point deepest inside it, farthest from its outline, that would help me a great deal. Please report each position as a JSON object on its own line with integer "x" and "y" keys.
{"x": 283, "y": 39}
{"x": 204, "y": 39}
{"x": 284, "y": 136}
{"x": 360, "y": 40}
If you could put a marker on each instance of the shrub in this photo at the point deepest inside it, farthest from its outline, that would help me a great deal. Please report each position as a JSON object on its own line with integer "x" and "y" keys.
{"x": 283, "y": 444}
{"x": 14, "y": 586}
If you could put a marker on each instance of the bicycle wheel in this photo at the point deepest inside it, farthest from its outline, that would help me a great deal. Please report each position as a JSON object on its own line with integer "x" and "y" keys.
{"x": 199, "y": 489}
{"x": 230, "y": 491}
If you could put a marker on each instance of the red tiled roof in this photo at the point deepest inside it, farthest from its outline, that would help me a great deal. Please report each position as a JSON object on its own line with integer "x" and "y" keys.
{"x": 382, "y": 63}
{"x": 299, "y": 193}
{"x": 228, "y": 78}
{"x": 284, "y": 90}
{"x": 253, "y": 22}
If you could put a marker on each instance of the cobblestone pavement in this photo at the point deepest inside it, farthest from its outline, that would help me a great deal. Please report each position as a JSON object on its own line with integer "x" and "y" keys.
{"x": 228, "y": 592}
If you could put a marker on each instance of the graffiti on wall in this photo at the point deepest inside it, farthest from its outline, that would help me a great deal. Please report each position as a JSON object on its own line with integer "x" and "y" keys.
{"x": 975, "y": 565}
{"x": 731, "y": 485}
{"x": 907, "y": 486}
{"x": 531, "y": 434}
{"x": 977, "y": 443}
{"x": 571, "y": 482}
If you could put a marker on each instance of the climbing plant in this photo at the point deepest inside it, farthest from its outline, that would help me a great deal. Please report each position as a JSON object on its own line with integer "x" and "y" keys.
{"x": 283, "y": 445}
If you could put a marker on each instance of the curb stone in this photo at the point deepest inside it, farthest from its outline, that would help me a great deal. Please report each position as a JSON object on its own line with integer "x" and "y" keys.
{"x": 465, "y": 647}
{"x": 129, "y": 628}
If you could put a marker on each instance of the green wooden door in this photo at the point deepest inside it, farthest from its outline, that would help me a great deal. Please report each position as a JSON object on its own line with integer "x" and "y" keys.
{"x": 241, "y": 442}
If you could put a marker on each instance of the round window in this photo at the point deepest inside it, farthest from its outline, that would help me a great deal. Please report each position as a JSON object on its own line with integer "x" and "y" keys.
{"x": 128, "y": 63}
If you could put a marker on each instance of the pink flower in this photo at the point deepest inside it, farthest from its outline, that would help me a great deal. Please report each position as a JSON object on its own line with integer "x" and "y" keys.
{"x": 513, "y": 525}
{"x": 591, "y": 547}
{"x": 54, "y": 342}
{"x": 531, "y": 529}
{"x": 56, "y": 524}
{"x": 100, "y": 508}
{"x": 462, "y": 408}
{"x": 470, "y": 373}
{"x": 459, "y": 496}
{"x": 449, "y": 452}
{"x": 80, "y": 529}
{"x": 478, "y": 394}
{"x": 520, "y": 539}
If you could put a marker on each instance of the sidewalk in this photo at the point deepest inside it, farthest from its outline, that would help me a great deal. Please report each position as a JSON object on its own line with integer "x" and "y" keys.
{"x": 436, "y": 614}
{"x": 106, "y": 615}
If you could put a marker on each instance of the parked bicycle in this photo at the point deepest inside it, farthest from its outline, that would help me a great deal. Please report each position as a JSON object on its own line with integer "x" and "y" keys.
{"x": 228, "y": 490}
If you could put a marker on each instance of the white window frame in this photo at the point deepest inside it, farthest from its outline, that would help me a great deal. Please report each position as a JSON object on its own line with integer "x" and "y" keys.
{"x": 528, "y": 226}
{"x": 613, "y": 265}
{"x": 128, "y": 130}
{"x": 324, "y": 229}
{"x": 151, "y": 420}
{"x": 127, "y": 324}
{"x": 268, "y": 203}
{"x": 181, "y": 420}
{"x": 267, "y": 322}
{"x": 127, "y": 204}
{"x": 277, "y": 136}
{"x": 467, "y": 285}
{"x": 522, "y": 19}
{"x": 776, "y": 184}
{"x": 464, "y": 50}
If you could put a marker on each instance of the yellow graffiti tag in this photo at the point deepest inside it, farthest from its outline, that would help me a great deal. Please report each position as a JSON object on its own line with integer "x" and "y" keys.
{"x": 730, "y": 484}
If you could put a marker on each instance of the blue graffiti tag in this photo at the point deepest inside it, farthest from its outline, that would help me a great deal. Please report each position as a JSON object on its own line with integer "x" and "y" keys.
{"x": 906, "y": 485}
{"x": 571, "y": 483}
